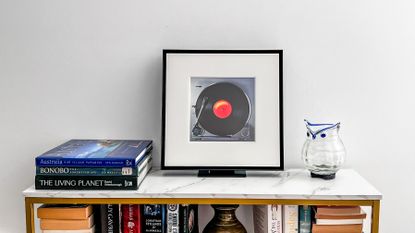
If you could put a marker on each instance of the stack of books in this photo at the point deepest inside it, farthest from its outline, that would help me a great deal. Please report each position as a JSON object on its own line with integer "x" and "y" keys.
{"x": 94, "y": 165}
{"x": 66, "y": 218}
{"x": 121, "y": 218}
{"x": 335, "y": 219}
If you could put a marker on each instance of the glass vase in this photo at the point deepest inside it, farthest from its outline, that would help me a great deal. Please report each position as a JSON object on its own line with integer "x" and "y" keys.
{"x": 323, "y": 151}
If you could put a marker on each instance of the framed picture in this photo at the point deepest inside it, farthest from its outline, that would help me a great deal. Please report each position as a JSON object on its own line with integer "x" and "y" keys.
{"x": 222, "y": 109}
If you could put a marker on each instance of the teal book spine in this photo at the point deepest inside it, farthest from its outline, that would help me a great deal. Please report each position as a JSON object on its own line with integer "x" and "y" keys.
{"x": 87, "y": 171}
{"x": 304, "y": 223}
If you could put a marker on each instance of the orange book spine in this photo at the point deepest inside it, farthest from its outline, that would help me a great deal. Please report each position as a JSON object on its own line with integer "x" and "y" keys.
{"x": 341, "y": 216}
{"x": 337, "y": 228}
{"x": 64, "y": 224}
{"x": 64, "y": 212}
{"x": 346, "y": 210}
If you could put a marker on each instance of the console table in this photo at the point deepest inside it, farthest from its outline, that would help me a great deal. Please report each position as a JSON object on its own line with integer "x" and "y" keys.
{"x": 290, "y": 187}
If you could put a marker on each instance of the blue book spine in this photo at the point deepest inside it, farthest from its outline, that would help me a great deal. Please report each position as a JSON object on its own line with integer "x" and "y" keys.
{"x": 154, "y": 220}
{"x": 304, "y": 223}
{"x": 95, "y": 153}
{"x": 85, "y": 162}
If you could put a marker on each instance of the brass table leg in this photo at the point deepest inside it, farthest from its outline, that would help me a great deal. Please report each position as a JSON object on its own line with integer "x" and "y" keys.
{"x": 375, "y": 216}
{"x": 30, "y": 222}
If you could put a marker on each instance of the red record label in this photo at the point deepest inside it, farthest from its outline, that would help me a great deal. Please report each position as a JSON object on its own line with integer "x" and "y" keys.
{"x": 222, "y": 109}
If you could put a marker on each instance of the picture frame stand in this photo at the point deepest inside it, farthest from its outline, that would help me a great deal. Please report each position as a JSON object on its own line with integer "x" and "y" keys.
{"x": 221, "y": 173}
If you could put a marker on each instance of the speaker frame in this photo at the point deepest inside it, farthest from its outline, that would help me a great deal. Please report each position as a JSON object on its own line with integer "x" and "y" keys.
{"x": 280, "y": 107}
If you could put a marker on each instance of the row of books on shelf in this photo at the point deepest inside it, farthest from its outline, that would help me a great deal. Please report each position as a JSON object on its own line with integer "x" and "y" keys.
{"x": 308, "y": 219}
{"x": 94, "y": 165}
{"x": 113, "y": 218}
{"x": 155, "y": 218}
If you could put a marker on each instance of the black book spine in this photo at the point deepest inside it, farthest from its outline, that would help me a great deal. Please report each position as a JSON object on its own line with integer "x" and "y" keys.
{"x": 85, "y": 183}
{"x": 110, "y": 218}
{"x": 193, "y": 219}
{"x": 104, "y": 218}
{"x": 188, "y": 219}
{"x": 183, "y": 218}
{"x": 97, "y": 217}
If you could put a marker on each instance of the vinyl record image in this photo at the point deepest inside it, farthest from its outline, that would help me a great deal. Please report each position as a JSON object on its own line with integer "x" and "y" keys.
{"x": 223, "y": 109}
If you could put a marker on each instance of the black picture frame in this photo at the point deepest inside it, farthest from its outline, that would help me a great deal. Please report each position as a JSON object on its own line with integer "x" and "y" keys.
{"x": 280, "y": 107}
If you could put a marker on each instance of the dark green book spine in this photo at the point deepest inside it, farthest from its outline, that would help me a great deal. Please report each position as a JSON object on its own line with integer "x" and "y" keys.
{"x": 304, "y": 221}
{"x": 87, "y": 171}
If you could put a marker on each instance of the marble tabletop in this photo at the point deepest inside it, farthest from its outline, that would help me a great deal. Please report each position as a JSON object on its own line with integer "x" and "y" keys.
{"x": 288, "y": 184}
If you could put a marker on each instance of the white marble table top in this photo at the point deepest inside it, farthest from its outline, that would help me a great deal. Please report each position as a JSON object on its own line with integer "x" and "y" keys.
{"x": 289, "y": 184}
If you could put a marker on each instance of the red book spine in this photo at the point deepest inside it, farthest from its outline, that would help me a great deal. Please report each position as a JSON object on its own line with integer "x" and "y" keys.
{"x": 131, "y": 219}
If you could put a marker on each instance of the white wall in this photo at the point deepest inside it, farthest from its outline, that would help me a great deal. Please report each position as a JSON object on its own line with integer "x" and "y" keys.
{"x": 92, "y": 69}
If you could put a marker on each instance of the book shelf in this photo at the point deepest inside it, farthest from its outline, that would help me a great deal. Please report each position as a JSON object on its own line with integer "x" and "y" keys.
{"x": 290, "y": 187}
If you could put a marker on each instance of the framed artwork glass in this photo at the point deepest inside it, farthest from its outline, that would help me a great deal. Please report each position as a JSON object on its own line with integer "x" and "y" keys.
{"x": 222, "y": 109}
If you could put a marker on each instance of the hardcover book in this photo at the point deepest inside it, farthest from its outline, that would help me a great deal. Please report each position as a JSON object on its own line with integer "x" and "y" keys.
{"x": 338, "y": 210}
{"x": 172, "y": 218}
{"x": 267, "y": 218}
{"x": 188, "y": 219}
{"x": 66, "y": 224}
{"x": 348, "y": 212}
{"x": 290, "y": 217}
{"x": 339, "y": 221}
{"x": 90, "y": 230}
{"x": 110, "y": 218}
{"x": 153, "y": 218}
{"x": 304, "y": 219}
{"x": 91, "y": 182}
{"x": 64, "y": 211}
{"x": 337, "y": 228}
{"x": 131, "y": 218}
{"x": 96, "y": 153}
{"x": 95, "y": 171}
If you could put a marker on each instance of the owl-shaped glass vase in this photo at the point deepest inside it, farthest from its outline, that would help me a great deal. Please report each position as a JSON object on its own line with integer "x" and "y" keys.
{"x": 323, "y": 151}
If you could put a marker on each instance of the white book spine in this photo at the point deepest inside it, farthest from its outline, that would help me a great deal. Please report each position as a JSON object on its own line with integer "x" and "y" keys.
{"x": 173, "y": 218}
{"x": 290, "y": 218}
{"x": 143, "y": 173}
{"x": 274, "y": 218}
{"x": 339, "y": 221}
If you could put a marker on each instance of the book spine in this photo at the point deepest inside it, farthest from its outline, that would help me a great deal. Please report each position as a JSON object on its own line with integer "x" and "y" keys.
{"x": 172, "y": 218}
{"x": 192, "y": 219}
{"x": 304, "y": 224}
{"x": 97, "y": 210}
{"x": 110, "y": 218}
{"x": 85, "y": 162}
{"x": 90, "y": 230}
{"x": 290, "y": 218}
{"x": 86, "y": 171}
{"x": 260, "y": 218}
{"x": 183, "y": 213}
{"x": 131, "y": 218}
{"x": 103, "y": 218}
{"x": 153, "y": 218}
{"x": 274, "y": 218}
{"x": 85, "y": 183}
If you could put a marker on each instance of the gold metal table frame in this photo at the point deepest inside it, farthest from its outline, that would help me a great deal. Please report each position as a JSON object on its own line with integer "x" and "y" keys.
{"x": 30, "y": 201}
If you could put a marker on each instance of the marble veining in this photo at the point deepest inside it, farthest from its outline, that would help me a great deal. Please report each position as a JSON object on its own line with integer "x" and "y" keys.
{"x": 289, "y": 184}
